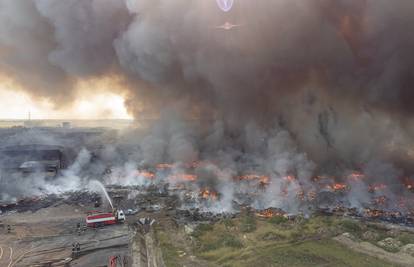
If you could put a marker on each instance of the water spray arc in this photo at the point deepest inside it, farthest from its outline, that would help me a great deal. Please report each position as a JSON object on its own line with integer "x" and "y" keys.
{"x": 94, "y": 185}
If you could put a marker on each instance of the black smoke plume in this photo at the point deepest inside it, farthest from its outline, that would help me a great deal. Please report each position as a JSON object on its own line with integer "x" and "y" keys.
{"x": 332, "y": 79}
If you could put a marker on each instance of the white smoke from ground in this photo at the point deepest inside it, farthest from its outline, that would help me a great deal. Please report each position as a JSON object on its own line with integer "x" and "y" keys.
{"x": 18, "y": 185}
{"x": 271, "y": 153}
{"x": 70, "y": 180}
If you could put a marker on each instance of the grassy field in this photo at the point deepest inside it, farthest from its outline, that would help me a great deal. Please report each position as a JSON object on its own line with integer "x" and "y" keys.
{"x": 249, "y": 241}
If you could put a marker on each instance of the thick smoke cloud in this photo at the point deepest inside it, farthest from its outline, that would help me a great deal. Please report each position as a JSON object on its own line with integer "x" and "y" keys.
{"x": 84, "y": 32}
{"x": 336, "y": 76}
{"x": 26, "y": 39}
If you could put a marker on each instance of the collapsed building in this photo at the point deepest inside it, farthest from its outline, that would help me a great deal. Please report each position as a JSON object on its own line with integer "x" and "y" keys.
{"x": 34, "y": 160}
{"x": 26, "y": 159}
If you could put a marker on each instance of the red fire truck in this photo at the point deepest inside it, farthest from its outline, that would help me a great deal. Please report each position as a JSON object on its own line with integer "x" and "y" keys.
{"x": 98, "y": 219}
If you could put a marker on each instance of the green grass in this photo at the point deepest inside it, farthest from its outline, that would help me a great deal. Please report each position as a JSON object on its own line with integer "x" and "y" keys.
{"x": 201, "y": 229}
{"x": 281, "y": 243}
{"x": 228, "y": 223}
{"x": 352, "y": 227}
{"x": 272, "y": 236}
{"x": 406, "y": 238}
{"x": 225, "y": 240}
{"x": 169, "y": 251}
{"x": 250, "y": 241}
{"x": 248, "y": 223}
{"x": 278, "y": 220}
{"x": 309, "y": 253}
{"x": 214, "y": 237}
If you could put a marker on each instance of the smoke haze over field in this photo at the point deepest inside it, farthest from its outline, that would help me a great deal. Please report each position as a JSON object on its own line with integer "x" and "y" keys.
{"x": 300, "y": 86}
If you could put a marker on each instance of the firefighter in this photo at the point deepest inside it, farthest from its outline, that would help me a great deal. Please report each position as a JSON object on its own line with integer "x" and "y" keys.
{"x": 76, "y": 249}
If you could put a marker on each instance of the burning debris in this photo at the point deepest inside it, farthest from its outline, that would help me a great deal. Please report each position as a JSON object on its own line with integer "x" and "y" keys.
{"x": 270, "y": 213}
{"x": 261, "y": 180}
{"x": 208, "y": 194}
{"x": 145, "y": 174}
{"x": 207, "y": 188}
{"x": 337, "y": 187}
{"x": 182, "y": 177}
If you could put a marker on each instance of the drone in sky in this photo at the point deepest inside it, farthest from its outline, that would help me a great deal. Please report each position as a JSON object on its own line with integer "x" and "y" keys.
{"x": 228, "y": 26}
{"x": 225, "y": 5}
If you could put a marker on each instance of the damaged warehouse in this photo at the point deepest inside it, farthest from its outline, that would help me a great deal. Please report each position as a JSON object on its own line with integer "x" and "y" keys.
{"x": 28, "y": 159}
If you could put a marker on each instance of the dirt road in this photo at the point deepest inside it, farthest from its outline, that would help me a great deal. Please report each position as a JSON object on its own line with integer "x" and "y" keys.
{"x": 144, "y": 250}
{"x": 6, "y": 256}
{"x": 364, "y": 247}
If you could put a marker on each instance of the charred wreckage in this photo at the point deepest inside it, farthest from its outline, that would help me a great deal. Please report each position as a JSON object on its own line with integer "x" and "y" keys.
{"x": 187, "y": 192}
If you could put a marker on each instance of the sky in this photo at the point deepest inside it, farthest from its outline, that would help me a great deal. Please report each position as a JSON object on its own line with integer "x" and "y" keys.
{"x": 15, "y": 104}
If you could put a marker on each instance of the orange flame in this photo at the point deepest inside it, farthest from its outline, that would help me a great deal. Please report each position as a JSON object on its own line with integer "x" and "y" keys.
{"x": 183, "y": 177}
{"x": 269, "y": 213}
{"x": 373, "y": 213}
{"x": 263, "y": 179}
{"x": 145, "y": 174}
{"x": 337, "y": 187}
{"x": 208, "y": 194}
{"x": 163, "y": 166}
